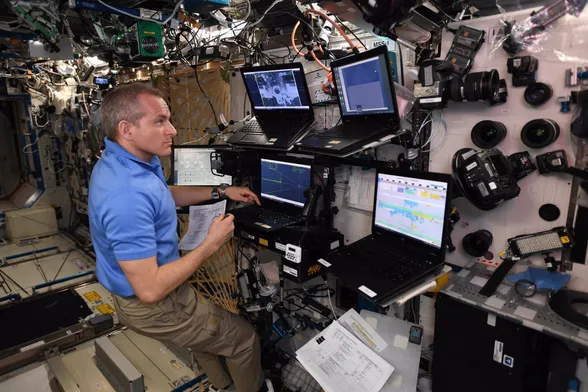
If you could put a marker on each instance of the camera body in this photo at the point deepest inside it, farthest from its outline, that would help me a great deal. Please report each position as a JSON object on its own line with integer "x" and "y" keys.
{"x": 485, "y": 178}
{"x": 523, "y": 70}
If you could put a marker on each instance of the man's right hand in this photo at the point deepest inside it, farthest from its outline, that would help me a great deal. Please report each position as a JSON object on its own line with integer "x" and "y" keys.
{"x": 220, "y": 231}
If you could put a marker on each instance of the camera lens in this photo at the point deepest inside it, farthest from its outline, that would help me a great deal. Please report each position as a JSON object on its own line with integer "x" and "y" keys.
{"x": 487, "y": 134}
{"x": 477, "y": 86}
{"x": 539, "y": 133}
{"x": 537, "y": 94}
{"x": 478, "y": 243}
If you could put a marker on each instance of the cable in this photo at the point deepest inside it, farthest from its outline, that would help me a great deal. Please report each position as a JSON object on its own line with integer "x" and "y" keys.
{"x": 330, "y": 302}
{"x": 265, "y": 13}
{"x": 203, "y": 93}
{"x": 140, "y": 17}
{"x": 351, "y": 31}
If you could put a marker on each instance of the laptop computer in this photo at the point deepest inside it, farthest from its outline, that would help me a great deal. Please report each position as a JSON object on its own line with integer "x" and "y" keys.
{"x": 409, "y": 230}
{"x": 281, "y": 106}
{"x": 367, "y": 101}
{"x": 191, "y": 165}
{"x": 283, "y": 183}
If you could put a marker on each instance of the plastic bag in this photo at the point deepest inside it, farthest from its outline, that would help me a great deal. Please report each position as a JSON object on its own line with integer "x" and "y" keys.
{"x": 558, "y": 22}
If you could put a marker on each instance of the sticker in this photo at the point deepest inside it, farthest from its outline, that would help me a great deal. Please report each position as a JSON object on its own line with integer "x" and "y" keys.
{"x": 324, "y": 262}
{"x": 483, "y": 190}
{"x": 92, "y": 296}
{"x": 290, "y": 271}
{"x": 525, "y": 312}
{"x": 265, "y": 226}
{"x": 498, "y": 349}
{"x": 463, "y": 273}
{"x": 105, "y": 308}
{"x": 491, "y": 320}
{"x": 328, "y": 146}
{"x": 468, "y": 154}
{"x": 150, "y": 14}
{"x": 516, "y": 62}
{"x": 401, "y": 341}
{"x": 32, "y": 346}
{"x": 263, "y": 242}
{"x": 471, "y": 166}
{"x": 273, "y": 139}
{"x": 396, "y": 380}
{"x": 508, "y": 361}
{"x": 254, "y": 308}
{"x": 269, "y": 143}
{"x": 478, "y": 281}
{"x": 492, "y": 185}
{"x": 334, "y": 245}
{"x": 372, "y": 321}
{"x": 335, "y": 142}
{"x": 495, "y": 302}
{"x": 430, "y": 100}
{"x": 367, "y": 291}
{"x": 565, "y": 239}
{"x": 281, "y": 247}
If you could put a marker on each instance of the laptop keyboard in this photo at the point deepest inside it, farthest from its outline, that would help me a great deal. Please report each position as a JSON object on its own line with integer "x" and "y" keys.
{"x": 272, "y": 218}
{"x": 394, "y": 265}
{"x": 290, "y": 126}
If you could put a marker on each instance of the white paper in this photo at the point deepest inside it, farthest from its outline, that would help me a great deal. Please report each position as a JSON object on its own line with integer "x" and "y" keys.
{"x": 200, "y": 219}
{"x": 341, "y": 363}
{"x": 360, "y": 191}
{"x": 355, "y": 324}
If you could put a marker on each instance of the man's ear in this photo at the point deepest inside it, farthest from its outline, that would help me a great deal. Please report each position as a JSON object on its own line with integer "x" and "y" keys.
{"x": 125, "y": 130}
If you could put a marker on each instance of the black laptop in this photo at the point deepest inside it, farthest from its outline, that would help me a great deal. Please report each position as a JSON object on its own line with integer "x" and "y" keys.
{"x": 283, "y": 184}
{"x": 281, "y": 106}
{"x": 367, "y": 101}
{"x": 408, "y": 240}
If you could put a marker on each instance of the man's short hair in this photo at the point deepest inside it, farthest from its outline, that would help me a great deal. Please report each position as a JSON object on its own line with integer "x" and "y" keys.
{"x": 122, "y": 103}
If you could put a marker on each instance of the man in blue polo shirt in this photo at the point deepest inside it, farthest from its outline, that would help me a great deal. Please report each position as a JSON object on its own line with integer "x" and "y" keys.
{"x": 133, "y": 225}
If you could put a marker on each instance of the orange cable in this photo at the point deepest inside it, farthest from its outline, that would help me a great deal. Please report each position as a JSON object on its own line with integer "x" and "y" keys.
{"x": 313, "y": 11}
{"x": 293, "y": 39}
{"x": 318, "y": 61}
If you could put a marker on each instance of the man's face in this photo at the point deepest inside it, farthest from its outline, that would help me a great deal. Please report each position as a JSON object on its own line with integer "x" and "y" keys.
{"x": 153, "y": 133}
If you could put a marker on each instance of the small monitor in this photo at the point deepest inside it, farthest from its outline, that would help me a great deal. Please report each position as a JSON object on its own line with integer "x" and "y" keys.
{"x": 285, "y": 181}
{"x": 411, "y": 207}
{"x": 364, "y": 87}
{"x": 191, "y": 166}
{"x": 279, "y": 89}
{"x": 101, "y": 81}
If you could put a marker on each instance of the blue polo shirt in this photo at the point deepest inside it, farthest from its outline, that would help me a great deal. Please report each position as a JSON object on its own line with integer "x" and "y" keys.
{"x": 132, "y": 215}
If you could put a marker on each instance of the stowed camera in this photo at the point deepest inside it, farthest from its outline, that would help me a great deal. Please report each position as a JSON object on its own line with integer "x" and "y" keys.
{"x": 523, "y": 70}
{"x": 488, "y": 178}
{"x": 438, "y": 84}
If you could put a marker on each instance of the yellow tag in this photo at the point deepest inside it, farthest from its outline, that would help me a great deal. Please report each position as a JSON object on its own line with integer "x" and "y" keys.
{"x": 105, "y": 308}
{"x": 273, "y": 139}
{"x": 263, "y": 242}
{"x": 335, "y": 142}
{"x": 92, "y": 296}
{"x": 565, "y": 239}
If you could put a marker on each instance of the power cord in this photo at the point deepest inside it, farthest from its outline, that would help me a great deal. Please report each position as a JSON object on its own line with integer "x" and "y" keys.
{"x": 203, "y": 93}
{"x": 330, "y": 302}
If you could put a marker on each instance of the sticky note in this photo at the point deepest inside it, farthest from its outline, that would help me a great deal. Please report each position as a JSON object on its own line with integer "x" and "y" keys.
{"x": 401, "y": 341}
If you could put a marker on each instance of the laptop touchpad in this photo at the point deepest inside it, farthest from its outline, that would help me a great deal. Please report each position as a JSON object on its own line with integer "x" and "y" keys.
{"x": 250, "y": 138}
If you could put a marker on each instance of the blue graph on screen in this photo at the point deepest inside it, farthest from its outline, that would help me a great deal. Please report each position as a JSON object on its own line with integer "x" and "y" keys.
{"x": 285, "y": 182}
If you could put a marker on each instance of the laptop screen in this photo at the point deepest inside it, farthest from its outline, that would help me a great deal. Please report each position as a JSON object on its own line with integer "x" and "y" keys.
{"x": 364, "y": 87}
{"x": 285, "y": 181}
{"x": 411, "y": 207}
{"x": 282, "y": 89}
{"x": 192, "y": 167}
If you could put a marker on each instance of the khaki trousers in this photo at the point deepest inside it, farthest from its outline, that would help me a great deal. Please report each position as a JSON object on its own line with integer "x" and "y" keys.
{"x": 191, "y": 321}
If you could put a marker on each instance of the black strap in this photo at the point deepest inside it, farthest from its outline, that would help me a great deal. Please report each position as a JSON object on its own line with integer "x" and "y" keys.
{"x": 497, "y": 277}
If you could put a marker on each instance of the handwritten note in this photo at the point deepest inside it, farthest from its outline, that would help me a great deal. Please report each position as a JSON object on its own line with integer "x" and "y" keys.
{"x": 200, "y": 219}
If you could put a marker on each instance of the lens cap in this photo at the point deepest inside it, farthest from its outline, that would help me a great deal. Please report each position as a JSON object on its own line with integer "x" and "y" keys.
{"x": 539, "y": 133}
{"x": 478, "y": 243}
{"x": 549, "y": 212}
{"x": 487, "y": 134}
{"x": 537, "y": 94}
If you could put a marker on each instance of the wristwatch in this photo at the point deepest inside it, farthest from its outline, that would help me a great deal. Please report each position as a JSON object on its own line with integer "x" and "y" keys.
{"x": 220, "y": 192}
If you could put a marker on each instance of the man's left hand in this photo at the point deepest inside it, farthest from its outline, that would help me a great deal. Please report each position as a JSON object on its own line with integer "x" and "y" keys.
{"x": 242, "y": 193}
